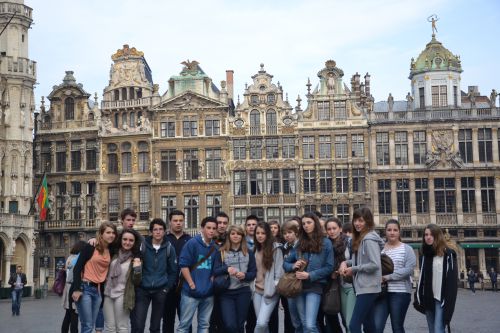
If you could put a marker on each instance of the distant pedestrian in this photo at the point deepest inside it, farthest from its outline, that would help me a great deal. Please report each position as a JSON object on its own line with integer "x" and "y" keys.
{"x": 471, "y": 278}
{"x": 493, "y": 278}
{"x": 480, "y": 278}
{"x": 17, "y": 282}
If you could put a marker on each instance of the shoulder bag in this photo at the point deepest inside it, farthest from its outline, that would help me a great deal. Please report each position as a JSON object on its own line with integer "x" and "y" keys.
{"x": 192, "y": 268}
{"x": 221, "y": 282}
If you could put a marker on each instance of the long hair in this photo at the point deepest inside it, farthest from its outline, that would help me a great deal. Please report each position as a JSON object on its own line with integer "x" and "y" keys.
{"x": 136, "y": 248}
{"x": 266, "y": 247}
{"x": 439, "y": 244}
{"x": 77, "y": 247}
{"x": 100, "y": 242}
{"x": 239, "y": 230}
{"x": 314, "y": 242}
{"x": 279, "y": 236}
{"x": 366, "y": 214}
{"x": 395, "y": 222}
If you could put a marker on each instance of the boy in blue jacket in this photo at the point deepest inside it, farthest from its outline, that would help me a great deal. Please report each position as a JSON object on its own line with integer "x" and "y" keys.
{"x": 197, "y": 291}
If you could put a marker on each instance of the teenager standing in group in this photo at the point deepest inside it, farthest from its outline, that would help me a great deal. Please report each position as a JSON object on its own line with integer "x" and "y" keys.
{"x": 312, "y": 259}
{"x": 250, "y": 225}
{"x": 399, "y": 284}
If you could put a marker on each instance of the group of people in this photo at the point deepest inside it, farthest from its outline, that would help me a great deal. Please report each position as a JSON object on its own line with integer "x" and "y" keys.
{"x": 228, "y": 275}
{"x": 473, "y": 278}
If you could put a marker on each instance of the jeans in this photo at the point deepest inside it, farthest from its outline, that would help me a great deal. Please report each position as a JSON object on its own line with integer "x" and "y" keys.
{"x": 251, "y": 320}
{"x": 394, "y": 304}
{"x": 435, "y": 319}
{"x": 70, "y": 321}
{"x": 288, "y": 320}
{"x": 363, "y": 314}
{"x": 263, "y": 308}
{"x": 16, "y": 294}
{"x": 347, "y": 300}
{"x": 116, "y": 318}
{"x": 189, "y": 305}
{"x": 143, "y": 298}
{"x": 294, "y": 315}
{"x": 307, "y": 307}
{"x": 172, "y": 306}
{"x": 216, "y": 317}
{"x": 99, "y": 322}
{"x": 472, "y": 287}
{"x": 88, "y": 307}
{"x": 234, "y": 306}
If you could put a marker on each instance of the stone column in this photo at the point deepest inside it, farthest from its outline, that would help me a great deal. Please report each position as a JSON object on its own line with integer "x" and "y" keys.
{"x": 482, "y": 262}
{"x": 392, "y": 150}
{"x": 413, "y": 202}
{"x": 460, "y": 213}
{"x": 497, "y": 197}
{"x": 411, "y": 161}
{"x": 432, "y": 201}
{"x": 494, "y": 138}
{"x": 84, "y": 156}
{"x": 477, "y": 197}
{"x": 373, "y": 151}
{"x": 475, "y": 151}
{"x": 53, "y": 154}
{"x": 6, "y": 269}
{"x": 394, "y": 200}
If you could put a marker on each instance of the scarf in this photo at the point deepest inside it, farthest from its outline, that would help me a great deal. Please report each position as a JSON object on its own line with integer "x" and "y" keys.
{"x": 116, "y": 269}
{"x": 429, "y": 254}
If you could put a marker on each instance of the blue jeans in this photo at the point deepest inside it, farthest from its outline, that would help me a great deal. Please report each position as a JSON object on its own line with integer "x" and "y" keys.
{"x": 263, "y": 308}
{"x": 307, "y": 308}
{"x": 189, "y": 305}
{"x": 234, "y": 309}
{"x": 435, "y": 319}
{"x": 363, "y": 314}
{"x": 88, "y": 307}
{"x": 99, "y": 322}
{"x": 294, "y": 314}
{"x": 16, "y": 294}
{"x": 394, "y": 304}
{"x": 472, "y": 287}
{"x": 143, "y": 298}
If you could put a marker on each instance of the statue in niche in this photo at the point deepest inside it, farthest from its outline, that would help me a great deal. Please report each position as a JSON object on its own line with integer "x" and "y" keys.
{"x": 144, "y": 124}
{"x": 409, "y": 101}
{"x": 67, "y": 206}
{"x": 179, "y": 170}
{"x": 472, "y": 98}
{"x": 156, "y": 170}
{"x": 390, "y": 102}
{"x": 97, "y": 201}
{"x": 330, "y": 83}
{"x": 13, "y": 184}
{"x": 493, "y": 98}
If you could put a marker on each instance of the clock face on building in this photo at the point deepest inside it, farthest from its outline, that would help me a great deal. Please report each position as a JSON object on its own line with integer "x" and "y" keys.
{"x": 287, "y": 121}
{"x": 239, "y": 123}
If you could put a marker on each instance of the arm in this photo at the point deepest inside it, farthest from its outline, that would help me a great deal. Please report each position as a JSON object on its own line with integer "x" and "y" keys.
{"x": 186, "y": 260}
{"x": 171, "y": 267}
{"x": 327, "y": 264}
{"x": 85, "y": 255}
{"x": 136, "y": 271}
{"x": 278, "y": 264}
{"x": 24, "y": 281}
{"x": 252, "y": 267}
{"x": 290, "y": 260}
{"x": 407, "y": 270}
{"x": 220, "y": 268}
{"x": 372, "y": 262}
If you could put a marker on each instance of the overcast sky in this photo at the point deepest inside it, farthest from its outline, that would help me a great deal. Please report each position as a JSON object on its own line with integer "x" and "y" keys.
{"x": 292, "y": 38}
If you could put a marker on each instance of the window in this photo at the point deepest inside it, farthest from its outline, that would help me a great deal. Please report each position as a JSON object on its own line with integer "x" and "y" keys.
{"x": 271, "y": 148}
{"x": 342, "y": 180}
{"x": 401, "y": 145}
{"x": 124, "y": 120}
{"x": 465, "y": 144}
{"x": 444, "y": 194}
{"x": 126, "y": 157}
{"x": 340, "y": 110}
{"x": 256, "y": 182}
{"x": 189, "y": 128}
{"x": 240, "y": 215}
{"x": 341, "y": 146}
{"x": 13, "y": 207}
{"x": 422, "y": 195}
{"x": 117, "y": 119}
{"x": 384, "y": 196}
{"x": 323, "y": 110}
{"x": 91, "y": 155}
{"x": 214, "y": 163}
{"x": 289, "y": 181}
{"x": 403, "y": 195}
{"x": 143, "y": 156}
{"x": 343, "y": 213}
{"x": 144, "y": 203}
{"x": 60, "y": 156}
{"x": 357, "y": 145}
{"x": 239, "y": 149}
{"x": 488, "y": 194}
{"x": 113, "y": 203}
{"x": 60, "y": 191}
{"x": 131, "y": 93}
{"x": 254, "y": 99}
{"x": 168, "y": 165}
{"x": 468, "y": 194}
{"x": 289, "y": 212}
{"x": 439, "y": 96}
{"x": 382, "y": 142}
{"x": 325, "y": 146}
{"x": 289, "y": 147}
{"x": 310, "y": 208}
{"x": 69, "y": 108}
{"x": 326, "y": 211}
{"x": 254, "y": 122}
{"x": 191, "y": 164}
{"x": 91, "y": 209}
{"x": 421, "y": 97}
{"x": 308, "y": 147}
{"x": 484, "y": 141}
{"x": 271, "y": 122}
{"x": 167, "y": 129}
{"x": 273, "y": 213}
{"x": 168, "y": 204}
{"x": 273, "y": 181}
{"x": 46, "y": 158}
{"x": 124, "y": 93}
{"x": 257, "y": 211}
{"x": 191, "y": 210}
{"x": 127, "y": 197}
{"x": 212, "y": 127}
{"x": 132, "y": 119}
{"x": 240, "y": 183}
{"x": 455, "y": 96}
{"x": 325, "y": 181}
{"x": 214, "y": 204}
{"x": 271, "y": 98}
{"x": 76, "y": 156}
{"x": 309, "y": 181}
{"x": 358, "y": 180}
{"x": 255, "y": 149}
{"x": 419, "y": 147}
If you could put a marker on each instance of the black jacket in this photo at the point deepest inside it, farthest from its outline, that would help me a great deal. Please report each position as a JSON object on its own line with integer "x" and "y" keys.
{"x": 13, "y": 278}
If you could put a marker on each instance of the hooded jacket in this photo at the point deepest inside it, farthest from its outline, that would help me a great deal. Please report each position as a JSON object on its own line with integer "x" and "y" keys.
{"x": 243, "y": 263}
{"x": 159, "y": 266}
{"x": 273, "y": 275}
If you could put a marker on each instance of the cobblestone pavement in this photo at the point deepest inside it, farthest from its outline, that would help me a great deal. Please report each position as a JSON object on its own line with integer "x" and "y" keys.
{"x": 479, "y": 313}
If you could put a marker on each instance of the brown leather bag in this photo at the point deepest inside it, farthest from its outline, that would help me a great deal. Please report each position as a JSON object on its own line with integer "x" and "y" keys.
{"x": 289, "y": 286}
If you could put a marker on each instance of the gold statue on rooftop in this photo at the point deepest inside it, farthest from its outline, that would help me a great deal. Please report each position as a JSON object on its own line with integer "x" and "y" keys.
{"x": 433, "y": 19}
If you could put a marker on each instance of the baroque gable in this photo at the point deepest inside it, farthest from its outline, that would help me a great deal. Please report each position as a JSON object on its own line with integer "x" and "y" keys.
{"x": 190, "y": 101}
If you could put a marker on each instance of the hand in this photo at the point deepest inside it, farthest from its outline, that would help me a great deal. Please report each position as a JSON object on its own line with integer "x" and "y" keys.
{"x": 348, "y": 271}
{"x": 342, "y": 267}
{"x": 232, "y": 271}
{"x": 299, "y": 264}
{"x": 302, "y": 275}
{"x": 192, "y": 286}
{"x": 92, "y": 241}
{"x": 136, "y": 262}
{"x": 240, "y": 275}
{"x": 76, "y": 295}
{"x": 335, "y": 275}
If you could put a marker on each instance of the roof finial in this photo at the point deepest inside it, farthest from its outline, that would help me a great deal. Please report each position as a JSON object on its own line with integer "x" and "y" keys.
{"x": 262, "y": 67}
{"x": 95, "y": 97}
{"x": 308, "y": 85}
{"x": 433, "y": 19}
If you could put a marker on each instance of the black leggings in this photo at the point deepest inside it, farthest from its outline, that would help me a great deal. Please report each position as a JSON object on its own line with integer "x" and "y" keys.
{"x": 70, "y": 322}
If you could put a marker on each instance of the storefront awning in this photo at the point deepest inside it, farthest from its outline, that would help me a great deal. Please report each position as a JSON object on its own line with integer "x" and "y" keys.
{"x": 480, "y": 245}
{"x": 415, "y": 245}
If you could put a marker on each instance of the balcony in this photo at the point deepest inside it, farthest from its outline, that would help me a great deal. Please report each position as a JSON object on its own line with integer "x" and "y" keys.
{"x": 419, "y": 115}
{"x": 18, "y": 9}
{"x": 58, "y": 225}
{"x": 126, "y": 104}
{"x": 10, "y": 65}
{"x": 490, "y": 218}
{"x": 446, "y": 219}
{"x": 15, "y": 220}
{"x": 70, "y": 124}
{"x": 404, "y": 219}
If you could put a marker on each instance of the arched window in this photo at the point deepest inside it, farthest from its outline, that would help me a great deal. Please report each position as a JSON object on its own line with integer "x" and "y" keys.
{"x": 126, "y": 157}
{"x": 143, "y": 156}
{"x": 271, "y": 122}
{"x": 139, "y": 93}
{"x": 131, "y": 119}
{"x": 69, "y": 108}
{"x": 254, "y": 122}
{"x": 124, "y": 120}
{"x": 117, "y": 119}
{"x": 124, "y": 93}
{"x": 131, "y": 93}
{"x": 117, "y": 94}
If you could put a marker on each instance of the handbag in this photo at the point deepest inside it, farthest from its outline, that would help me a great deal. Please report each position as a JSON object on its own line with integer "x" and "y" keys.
{"x": 178, "y": 289}
{"x": 330, "y": 300}
{"x": 288, "y": 285}
{"x": 221, "y": 282}
{"x": 384, "y": 290}
{"x": 386, "y": 264}
{"x": 60, "y": 282}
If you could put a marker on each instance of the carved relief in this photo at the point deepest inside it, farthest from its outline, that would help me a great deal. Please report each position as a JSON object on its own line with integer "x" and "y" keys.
{"x": 442, "y": 151}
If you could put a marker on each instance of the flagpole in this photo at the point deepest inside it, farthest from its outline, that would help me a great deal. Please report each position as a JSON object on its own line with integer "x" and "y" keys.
{"x": 37, "y": 192}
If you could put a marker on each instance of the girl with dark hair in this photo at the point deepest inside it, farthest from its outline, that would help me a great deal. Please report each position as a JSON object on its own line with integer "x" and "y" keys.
{"x": 269, "y": 262}
{"x": 276, "y": 231}
{"x": 399, "y": 285}
{"x": 124, "y": 275}
{"x": 312, "y": 259}
{"x": 365, "y": 269}
{"x": 437, "y": 287}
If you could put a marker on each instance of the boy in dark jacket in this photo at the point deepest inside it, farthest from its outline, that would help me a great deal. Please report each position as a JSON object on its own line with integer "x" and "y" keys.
{"x": 17, "y": 282}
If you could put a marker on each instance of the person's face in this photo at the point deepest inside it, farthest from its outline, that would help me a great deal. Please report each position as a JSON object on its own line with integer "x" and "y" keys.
{"x": 19, "y": 269}
{"x": 428, "y": 238}
{"x": 359, "y": 224}
{"x": 323, "y": 224}
{"x": 333, "y": 230}
{"x": 108, "y": 235}
{"x": 275, "y": 229}
{"x": 392, "y": 233}
{"x": 235, "y": 238}
{"x": 158, "y": 232}
{"x": 177, "y": 223}
{"x": 222, "y": 224}
{"x": 128, "y": 241}
{"x": 290, "y": 236}
{"x": 260, "y": 235}
{"x": 250, "y": 227}
{"x": 128, "y": 222}
{"x": 209, "y": 230}
{"x": 308, "y": 225}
